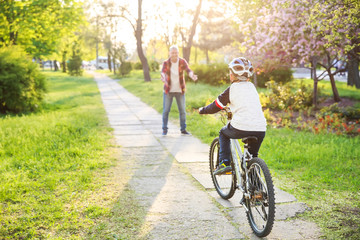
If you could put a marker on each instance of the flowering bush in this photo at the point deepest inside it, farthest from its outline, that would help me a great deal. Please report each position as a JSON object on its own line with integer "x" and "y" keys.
{"x": 349, "y": 113}
{"x": 320, "y": 123}
{"x": 282, "y": 97}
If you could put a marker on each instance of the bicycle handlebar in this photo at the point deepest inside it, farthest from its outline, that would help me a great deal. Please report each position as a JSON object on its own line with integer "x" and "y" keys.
{"x": 228, "y": 113}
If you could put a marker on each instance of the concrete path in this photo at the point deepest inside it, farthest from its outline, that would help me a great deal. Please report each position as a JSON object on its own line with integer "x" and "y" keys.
{"x": 172, "y": 182}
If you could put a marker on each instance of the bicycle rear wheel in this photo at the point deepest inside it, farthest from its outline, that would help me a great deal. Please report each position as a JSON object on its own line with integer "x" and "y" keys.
{"x": 224, "y": 183}
{"x": 261, "y": 204}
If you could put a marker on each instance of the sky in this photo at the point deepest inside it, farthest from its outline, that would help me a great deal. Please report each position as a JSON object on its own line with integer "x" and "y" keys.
{"x": 165, "y": 9}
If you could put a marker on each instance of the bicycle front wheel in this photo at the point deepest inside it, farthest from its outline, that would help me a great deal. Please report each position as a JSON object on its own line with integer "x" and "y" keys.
{"x": 261, "y": 204}
{"x": 224, "y": 183}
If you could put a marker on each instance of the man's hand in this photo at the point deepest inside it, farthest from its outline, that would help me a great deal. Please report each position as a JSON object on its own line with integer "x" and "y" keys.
{"x": 163, "y": 77}
{"x": 193, "y": 76}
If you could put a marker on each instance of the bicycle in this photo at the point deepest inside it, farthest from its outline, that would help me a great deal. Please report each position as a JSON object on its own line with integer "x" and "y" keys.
{"x": 254, "y": 181}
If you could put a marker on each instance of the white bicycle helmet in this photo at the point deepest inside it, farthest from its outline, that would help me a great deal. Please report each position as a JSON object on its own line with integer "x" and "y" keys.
{"x": 242, "y": 68}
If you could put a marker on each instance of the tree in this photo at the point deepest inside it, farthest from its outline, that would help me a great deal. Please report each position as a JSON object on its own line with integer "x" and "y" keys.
{"x": 37, "y": 25}
{"x": 75, "y": 61}
{"x": 136, "y": 24}
{"x": 187, "y": 35}
{"x": 169, "y": 32}
{"x": 215, "y": 32}
{"x": 339, "y": 22}
{"x": 282, "y": 33}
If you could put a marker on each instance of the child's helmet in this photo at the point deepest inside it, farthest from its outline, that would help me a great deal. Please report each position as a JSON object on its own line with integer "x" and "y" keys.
{"x": 241, "y": 67}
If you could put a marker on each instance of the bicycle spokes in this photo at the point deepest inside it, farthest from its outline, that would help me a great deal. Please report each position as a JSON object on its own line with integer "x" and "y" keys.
{"x": 261, "y": 204}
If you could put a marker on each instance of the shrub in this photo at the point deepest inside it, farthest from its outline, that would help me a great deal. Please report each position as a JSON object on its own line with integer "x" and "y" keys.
{"x": 125, "y": 68}
{"x": 137, "y": 66}
{"x": 22, "y": 86}
{"x": 282, "y": 97}
{"x": 350, "y": 113}
{"x": 154, "y": 66}
{"x": 280, "y": 75}
{"x": 213, "y": 74}
{"x": 74, "y": 66}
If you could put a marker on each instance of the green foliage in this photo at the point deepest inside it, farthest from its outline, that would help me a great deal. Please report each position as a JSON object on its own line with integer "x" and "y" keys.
{"x": 38, "y": 26}
{"x": 22, "y": 86}
{"x": 351, "y": 113}
{"x": 154, "y": 66}
{"x": 214, "y": 74}
{"x": 48, "y": 160}
{"x": 337, "y": 22}
{"x": 137, "y": 66}
{"x": 125, "y": 68}
{"x": 74, "y": 65}
{"x": 279, "y": 75}
{"x": 282, "y": 97}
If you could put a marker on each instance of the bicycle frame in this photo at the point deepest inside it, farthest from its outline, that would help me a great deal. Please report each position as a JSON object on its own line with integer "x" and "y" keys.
{"x": 239, "y": 158}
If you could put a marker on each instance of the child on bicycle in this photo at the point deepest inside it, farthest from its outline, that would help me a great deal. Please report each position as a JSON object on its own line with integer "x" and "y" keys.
{"x": 248, "y": 118}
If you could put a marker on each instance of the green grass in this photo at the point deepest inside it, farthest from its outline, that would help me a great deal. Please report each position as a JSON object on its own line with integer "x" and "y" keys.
{"x": 342, "y": 87}
{"x": 48, "y": 161}
{"x": 321, "y": 170}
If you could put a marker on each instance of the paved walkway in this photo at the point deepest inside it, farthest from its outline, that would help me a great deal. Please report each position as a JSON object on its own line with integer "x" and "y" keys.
{"x": 172, "y": 182}
{"x": 305, "y": 73}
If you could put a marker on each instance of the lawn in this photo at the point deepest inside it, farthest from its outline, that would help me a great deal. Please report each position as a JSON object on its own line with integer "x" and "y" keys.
{"x": 53, "y": 166}
{"x": 322, "y": 170}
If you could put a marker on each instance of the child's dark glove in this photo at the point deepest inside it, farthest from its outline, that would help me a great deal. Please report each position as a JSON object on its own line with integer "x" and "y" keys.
{"x": 201, "y": 110}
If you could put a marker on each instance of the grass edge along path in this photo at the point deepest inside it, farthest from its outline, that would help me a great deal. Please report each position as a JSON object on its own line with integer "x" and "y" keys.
{"x": 57, "y": 168}
{"x": 321, "y": 170}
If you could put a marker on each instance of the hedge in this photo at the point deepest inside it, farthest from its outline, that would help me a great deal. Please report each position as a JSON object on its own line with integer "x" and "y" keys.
{"x": 22, "y": 86}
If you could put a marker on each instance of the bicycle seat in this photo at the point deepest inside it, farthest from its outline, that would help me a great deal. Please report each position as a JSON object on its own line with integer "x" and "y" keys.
{"x": 249, "y": 139}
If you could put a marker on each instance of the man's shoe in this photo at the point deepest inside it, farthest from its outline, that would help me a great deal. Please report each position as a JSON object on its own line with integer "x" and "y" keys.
{"x": 164, "y": 132}
{"x": 222, "y": 169}
{"x": 185, "y": 132}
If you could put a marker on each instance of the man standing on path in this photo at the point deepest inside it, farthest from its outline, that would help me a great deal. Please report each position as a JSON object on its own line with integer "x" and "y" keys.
{"x": 172, "y": 74}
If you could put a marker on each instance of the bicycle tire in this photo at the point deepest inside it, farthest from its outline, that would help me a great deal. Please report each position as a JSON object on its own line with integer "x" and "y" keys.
{"x": 225, "y": 184}
{"x": 261, "y": 204}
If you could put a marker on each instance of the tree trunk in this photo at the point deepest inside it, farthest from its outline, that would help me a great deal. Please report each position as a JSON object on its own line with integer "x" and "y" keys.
{"x": 187, "y": 48}
{"x": 109, "y": 61}
{"x": 315, "y": 78}
{"x": 333, "y": 86}
{"x": 138, "y": 35}
{"x": 64, "y": 61}
{"x": 55, "y": 66}
{"x": 353, "y": 77}
{"x": 315, "y": 97}
{"x": 207, "y": 56}
{"x": 114, "y": 67}
{"x": 196, "y": 55}
{"x": 13, "y": 38}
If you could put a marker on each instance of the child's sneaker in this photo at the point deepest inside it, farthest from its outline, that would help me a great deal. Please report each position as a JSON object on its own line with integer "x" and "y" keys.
{"x": 224, "y": 167}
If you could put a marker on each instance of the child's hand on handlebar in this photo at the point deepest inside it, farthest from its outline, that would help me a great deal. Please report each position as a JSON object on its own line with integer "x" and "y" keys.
{"x": 201, "y": 110}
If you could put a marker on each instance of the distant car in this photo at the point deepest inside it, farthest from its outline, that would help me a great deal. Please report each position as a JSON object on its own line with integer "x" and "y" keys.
{"x": 50, "y": 64}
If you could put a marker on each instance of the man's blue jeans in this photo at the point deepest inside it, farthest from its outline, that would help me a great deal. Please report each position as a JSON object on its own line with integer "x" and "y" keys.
{"x": 180, "y": 100}
{"x": 229, "y": 132}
